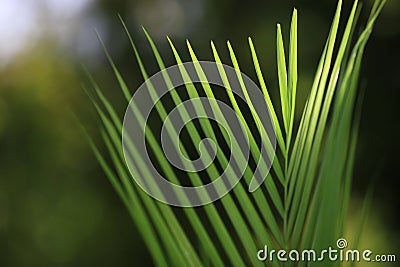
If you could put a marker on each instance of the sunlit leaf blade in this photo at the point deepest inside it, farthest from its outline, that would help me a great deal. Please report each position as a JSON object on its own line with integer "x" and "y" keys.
{"x": 300, "y": 179}
{"x": 257, "y": 67}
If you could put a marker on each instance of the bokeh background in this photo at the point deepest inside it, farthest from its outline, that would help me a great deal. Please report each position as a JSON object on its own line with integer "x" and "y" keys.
{"x": 56, "y": 205}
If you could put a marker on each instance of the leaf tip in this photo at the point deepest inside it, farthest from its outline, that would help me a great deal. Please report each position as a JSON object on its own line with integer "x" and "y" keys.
{"x": 229, "y": 44}
{"x": 144, "y": 30}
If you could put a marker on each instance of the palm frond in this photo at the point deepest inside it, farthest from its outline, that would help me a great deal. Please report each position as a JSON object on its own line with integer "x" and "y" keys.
{"x": 303, "y": 200}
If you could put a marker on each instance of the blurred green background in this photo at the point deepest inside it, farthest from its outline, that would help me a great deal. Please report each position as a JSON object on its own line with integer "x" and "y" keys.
{"x": 56, "y": 205}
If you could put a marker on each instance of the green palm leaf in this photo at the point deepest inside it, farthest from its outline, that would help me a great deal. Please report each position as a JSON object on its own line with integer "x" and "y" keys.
{"x": 303, "y": 201}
